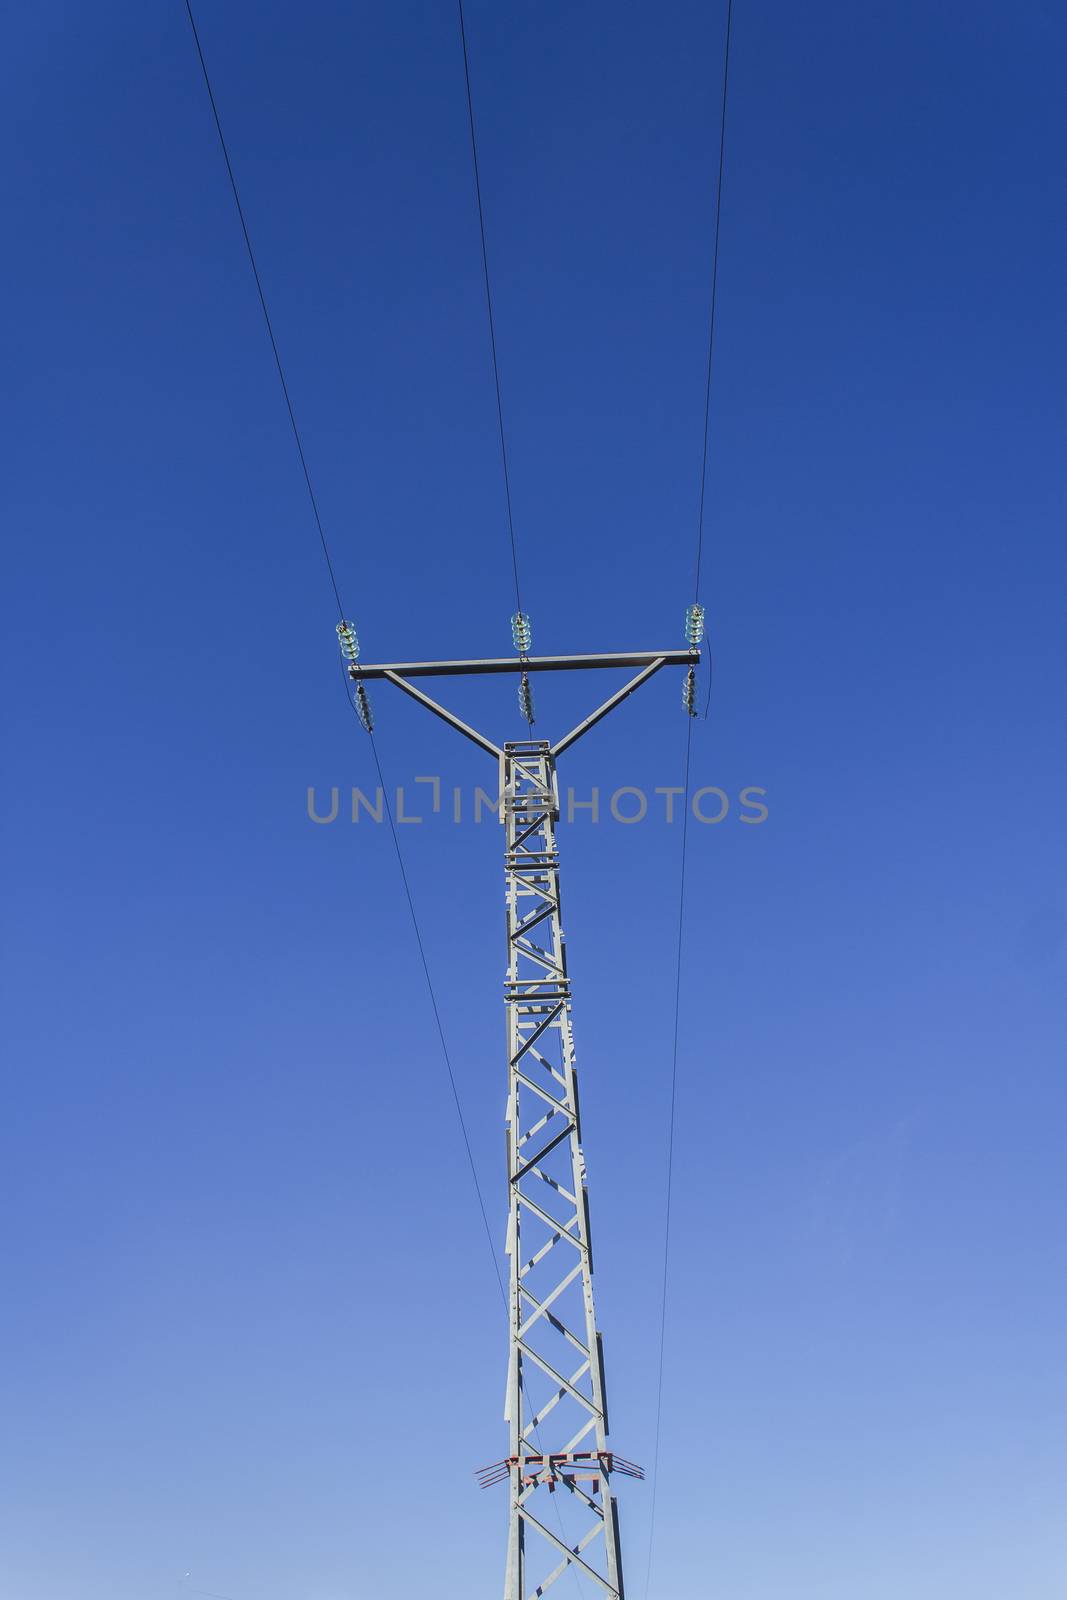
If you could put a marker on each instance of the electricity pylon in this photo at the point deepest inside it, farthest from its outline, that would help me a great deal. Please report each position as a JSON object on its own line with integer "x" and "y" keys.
{"x": 555, "y": 1386}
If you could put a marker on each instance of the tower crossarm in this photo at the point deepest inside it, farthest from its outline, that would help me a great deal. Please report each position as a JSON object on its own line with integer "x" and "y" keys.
{"x": 454, "y": 669}
{"x": 646, "y": 662}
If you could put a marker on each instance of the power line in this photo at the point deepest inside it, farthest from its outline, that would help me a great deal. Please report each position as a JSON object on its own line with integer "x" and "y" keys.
{"x": 685, "y": 822}
{"x": 489, "y": 309}
{"x": 451, "y": 1075}
{"x": 266, "y": 313}
{"x": 670, "y": 1156}
{"x": 325, "y": 550}
{"x": 439, "y": 1025}
{"x": 322, "y": 537}
{"x": 409, "y": 898}
{"x": 714, "y": 291}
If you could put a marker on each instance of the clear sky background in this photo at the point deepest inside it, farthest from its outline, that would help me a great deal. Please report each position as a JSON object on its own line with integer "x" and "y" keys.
{"x": 250, "y": 1329}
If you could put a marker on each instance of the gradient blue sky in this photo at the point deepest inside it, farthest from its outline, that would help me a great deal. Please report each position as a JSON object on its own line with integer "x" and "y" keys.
{"x": 250, "y": 1329}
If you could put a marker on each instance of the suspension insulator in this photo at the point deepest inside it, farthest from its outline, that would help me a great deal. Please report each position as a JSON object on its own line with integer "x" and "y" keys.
{"x": 694, "y": 624}
{"x": 689, "y": 692}
{"x": 526, "y": 705}
{"x": 521, "y": 632}
{"x": 366, "y": 715}
{"x": 346, "y": 638}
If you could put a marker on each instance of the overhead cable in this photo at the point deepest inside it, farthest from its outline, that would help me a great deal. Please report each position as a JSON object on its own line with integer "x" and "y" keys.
{"x": 694, "y": 632}
{"x": 489, "y": 310}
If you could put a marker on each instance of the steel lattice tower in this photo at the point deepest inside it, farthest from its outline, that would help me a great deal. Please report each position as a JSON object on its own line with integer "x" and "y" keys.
{"x": 556, "y": 1405}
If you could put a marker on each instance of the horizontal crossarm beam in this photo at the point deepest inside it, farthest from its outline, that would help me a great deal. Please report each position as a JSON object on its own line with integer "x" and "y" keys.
{"x": 452, "y": 669}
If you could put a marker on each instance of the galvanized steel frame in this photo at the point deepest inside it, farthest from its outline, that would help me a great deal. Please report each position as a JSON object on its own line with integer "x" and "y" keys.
{"x": 551, "y": 1310}
{"x": 552, "y": 1318}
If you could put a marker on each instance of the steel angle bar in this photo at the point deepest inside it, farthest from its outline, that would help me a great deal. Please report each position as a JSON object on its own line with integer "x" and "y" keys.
{"x": 580, "y": 1435}
{"x": 535, "y": 1088}
{"x": 552, "y": 1222}
{"x": 534, "y": 917}
{"x": 543, "y": 1305}
{"x": 451, "y": 669}
{"x": 546, "y": 1249}
{"x": 553, "y": 1183}
{"x": 542, "y": 1122}
{"x": 572, "y": 1555}
{"x": 609, "y": 705}
{"x": 529, "y": 1166}
{"x": 572, "y": 1338}
{"x": 537, "y": 1032}
{"x": 442, "y": 711}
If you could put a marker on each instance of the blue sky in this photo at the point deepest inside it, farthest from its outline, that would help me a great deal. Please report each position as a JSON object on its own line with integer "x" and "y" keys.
{"x": 251, "y": 1330}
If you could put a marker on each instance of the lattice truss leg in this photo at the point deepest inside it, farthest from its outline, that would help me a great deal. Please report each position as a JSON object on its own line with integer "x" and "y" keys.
{"x": 562, "y": 1513}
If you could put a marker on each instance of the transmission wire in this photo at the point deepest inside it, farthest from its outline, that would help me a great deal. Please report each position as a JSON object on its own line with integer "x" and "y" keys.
{"x": 341, "y": 612}
{"x": 685, "y": 828}
{"x": 438, "y": 1023}
{"x": 409, "y": 898}
{"x": 714, "y": 292}
{"x": 456, "y": 1099}
{"x": 489, "y": 309}
{"x": 266, "y": 313}
{"x": 374, "y": 748}
{"x": 670, "y": 1154}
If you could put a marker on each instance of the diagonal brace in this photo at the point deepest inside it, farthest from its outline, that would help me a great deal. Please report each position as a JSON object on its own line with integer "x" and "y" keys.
{"x": 609, "y": 705}
{"x": 445, "y": 715}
